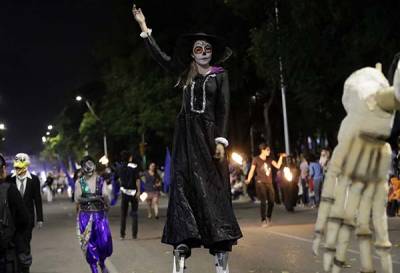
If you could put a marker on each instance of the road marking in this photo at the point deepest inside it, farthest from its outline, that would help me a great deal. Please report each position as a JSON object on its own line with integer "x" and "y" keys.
{"x": 310, "y": 241}
{"x": 110, "y": 266}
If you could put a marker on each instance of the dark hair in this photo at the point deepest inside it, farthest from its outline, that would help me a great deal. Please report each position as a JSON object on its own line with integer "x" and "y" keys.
{"x": 87, "y": 158}
{"x": 151, "y": 162}
{"x": 2, "y": 161}
{"x": 125, "y": 156}
{"x": 263, "y": 146}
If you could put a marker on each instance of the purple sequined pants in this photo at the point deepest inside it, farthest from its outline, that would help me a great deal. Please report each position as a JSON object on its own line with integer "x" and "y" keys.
{"x": 97, "y": 244}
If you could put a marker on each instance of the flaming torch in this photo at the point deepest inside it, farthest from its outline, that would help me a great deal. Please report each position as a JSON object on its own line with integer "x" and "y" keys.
{"x": 287, "y": 173}
{"x": 237, "y": 158}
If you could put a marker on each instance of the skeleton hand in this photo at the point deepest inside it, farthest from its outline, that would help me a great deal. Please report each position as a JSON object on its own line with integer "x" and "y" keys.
{"x": 355, "y": 185}
{"x": 353, "y": 191}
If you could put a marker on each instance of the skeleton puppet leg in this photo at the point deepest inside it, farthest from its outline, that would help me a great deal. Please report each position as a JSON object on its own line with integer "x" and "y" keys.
{"x": 335, "y": 221}
{"x": 382, "y": 243}
{"x": 351, "y": 204}
{"x": 363, "y": 230}
{"x": 328, "y": 194}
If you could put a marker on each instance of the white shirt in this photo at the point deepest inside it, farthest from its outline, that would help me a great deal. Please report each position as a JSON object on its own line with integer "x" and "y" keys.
{"x": 22, "y": 180}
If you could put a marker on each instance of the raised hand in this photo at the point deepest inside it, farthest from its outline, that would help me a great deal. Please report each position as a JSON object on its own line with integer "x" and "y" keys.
{"x": 138, "y": 15}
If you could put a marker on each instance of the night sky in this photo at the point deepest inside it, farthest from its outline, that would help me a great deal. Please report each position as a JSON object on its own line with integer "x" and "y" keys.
{"x": 46, "y": 51}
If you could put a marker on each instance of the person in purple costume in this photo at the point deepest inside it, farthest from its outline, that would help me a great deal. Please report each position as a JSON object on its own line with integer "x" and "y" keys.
{"x": 92, "y": 199}
{"x": 200, "y": 212}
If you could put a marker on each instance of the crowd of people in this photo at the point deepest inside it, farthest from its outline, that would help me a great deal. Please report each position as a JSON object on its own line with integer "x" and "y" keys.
{"x": 262, "y": 180}
{"x": 265, "y": 179}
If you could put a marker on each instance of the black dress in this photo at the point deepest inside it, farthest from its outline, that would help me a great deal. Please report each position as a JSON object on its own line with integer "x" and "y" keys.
{"x": 200, "y": 211}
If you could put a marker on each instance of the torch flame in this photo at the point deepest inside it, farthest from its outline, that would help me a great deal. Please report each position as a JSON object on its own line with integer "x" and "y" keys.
{"x": 288, "y": 174}
{"x": 237, "y": 158}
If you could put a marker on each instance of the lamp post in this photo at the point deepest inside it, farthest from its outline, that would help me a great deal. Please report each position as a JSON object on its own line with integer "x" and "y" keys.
{"x": 89, "y": 106}
{"x": 282, "y": 83}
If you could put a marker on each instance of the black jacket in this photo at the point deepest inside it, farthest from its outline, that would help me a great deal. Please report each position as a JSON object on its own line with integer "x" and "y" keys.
{"x": 18, "y": 211}
{"x": 128, "y": 176}
{"x": 32, "y": 198}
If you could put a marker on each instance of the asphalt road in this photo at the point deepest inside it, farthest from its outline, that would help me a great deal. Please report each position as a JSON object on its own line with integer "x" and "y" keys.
{"x": 281, "y": 248}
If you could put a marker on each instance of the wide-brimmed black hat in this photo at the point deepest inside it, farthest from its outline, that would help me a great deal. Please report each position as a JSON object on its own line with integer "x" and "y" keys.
{"x": 184, "y": 46}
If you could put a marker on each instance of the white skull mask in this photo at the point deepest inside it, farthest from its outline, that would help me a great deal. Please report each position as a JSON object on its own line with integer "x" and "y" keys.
{"x": 88, "y": 167}
{"x": 202, "y": 52}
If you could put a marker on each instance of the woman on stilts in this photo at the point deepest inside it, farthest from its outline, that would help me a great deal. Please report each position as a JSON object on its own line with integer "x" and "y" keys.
{"x": 200, "y": 212}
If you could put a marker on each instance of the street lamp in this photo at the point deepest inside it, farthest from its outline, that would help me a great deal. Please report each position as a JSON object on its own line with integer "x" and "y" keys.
{"x": 89, "y": 106}
{"x": 50, "y": 127}
{"x": 2, "y": 126}
{"x": 47, "y": 133}
{"x": 44, "y": 139}
{"x": 282, "y": 82}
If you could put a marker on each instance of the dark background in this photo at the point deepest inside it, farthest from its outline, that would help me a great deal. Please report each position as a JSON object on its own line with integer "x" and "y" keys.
{"x": 50, "y": 51}
{"x": 45, "y": 52}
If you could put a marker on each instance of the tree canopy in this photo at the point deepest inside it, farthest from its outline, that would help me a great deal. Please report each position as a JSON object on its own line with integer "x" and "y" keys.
{"x": 320, "y": 41}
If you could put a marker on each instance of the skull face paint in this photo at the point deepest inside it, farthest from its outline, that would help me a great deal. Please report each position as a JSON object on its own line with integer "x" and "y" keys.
{"x": 88, "y": 167}
{"x": 202, "y": 52}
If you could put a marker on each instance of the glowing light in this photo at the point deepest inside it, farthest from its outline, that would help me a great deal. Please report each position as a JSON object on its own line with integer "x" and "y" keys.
{"x": 2, "y": 126}
{"x": 44, "y": 140}
{"x": 78, "y": 98}
{"x": 237, "y": 158}
{"x": 47, "y": 133}
{"x": 104, "y": 160}
{"x": 287, "y": 174}
{"x": 50, "y": 127}
{"x": 143, "y": 196}
{"x": 43, "y": 176}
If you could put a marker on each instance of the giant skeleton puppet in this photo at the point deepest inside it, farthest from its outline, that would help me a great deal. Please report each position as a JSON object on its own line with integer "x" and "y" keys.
{"x": 200, "y": 209}
{"x": 355, "y": 186}
{"x": 93, "y": 230}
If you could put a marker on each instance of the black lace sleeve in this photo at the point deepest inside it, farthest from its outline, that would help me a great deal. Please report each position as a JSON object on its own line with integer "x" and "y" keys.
{"x": 163, "y": 59}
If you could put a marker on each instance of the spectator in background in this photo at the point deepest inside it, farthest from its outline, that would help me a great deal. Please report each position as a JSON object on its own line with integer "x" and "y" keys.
{"x": 394, "y": 197}
{"x": 128, "y": 176}
{"x": 304, "y": 179}
{"x": 324, "y": 159}
{"x": 316, "y": 173}
{"x": 47, "y": 187}
{"x": 152, "y": 186}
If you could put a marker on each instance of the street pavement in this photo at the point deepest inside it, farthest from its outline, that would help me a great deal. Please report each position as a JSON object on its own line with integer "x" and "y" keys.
{"x": 284, "y": 247}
